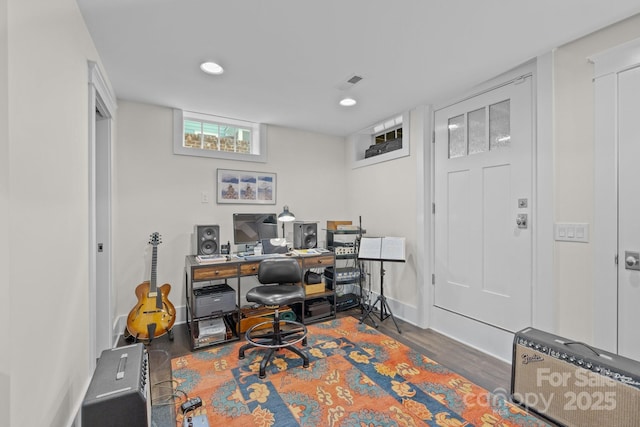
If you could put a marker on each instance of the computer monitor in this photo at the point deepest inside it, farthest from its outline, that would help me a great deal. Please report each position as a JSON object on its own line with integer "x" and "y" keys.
{"x": 249, "y": 228}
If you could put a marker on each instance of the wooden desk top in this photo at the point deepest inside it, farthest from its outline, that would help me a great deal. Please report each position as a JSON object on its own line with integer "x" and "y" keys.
{"x": 236, "y": 267}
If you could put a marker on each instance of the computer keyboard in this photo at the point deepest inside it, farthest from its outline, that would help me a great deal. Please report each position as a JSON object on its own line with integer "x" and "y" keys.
{"x": 263, "y": 256}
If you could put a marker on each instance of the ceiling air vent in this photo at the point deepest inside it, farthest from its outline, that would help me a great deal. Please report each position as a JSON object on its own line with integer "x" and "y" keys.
{"x": 349, "y": 82}
{"x": 355, "y": 79}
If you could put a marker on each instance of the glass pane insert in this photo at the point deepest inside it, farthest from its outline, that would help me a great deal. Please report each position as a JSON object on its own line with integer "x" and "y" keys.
{"x": 478, "y": 142}
{"x": 210, "y": 136}
{"x": 457, "y": 142}
{"x": 244, "y": 141}
{"x": 192, "y": 132}
{"x": 228, "y": 138}
{"x": 500, "y": 125}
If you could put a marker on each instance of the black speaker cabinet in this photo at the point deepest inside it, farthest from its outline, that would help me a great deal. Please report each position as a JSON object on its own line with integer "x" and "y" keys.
{"x": 305, "y": 235}
{"x": 119, "y": 393}
{"x": 206, "y": 240}
{"x": 573, "y": 384}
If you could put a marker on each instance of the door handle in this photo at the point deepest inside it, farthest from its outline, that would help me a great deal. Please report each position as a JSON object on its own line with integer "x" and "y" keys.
{"x": 631, "y": 260}
{"x": 521, "y": 220}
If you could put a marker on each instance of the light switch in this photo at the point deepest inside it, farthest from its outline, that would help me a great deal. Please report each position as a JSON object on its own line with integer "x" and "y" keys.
{"x": 568, "y": 232}
{"x": 562, "y": 231}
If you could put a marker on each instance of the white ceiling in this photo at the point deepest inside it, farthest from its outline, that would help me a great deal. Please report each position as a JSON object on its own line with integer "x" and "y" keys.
{"x": 287, "y": 60}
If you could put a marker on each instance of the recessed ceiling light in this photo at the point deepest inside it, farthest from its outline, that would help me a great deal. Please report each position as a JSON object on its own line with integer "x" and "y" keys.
{"x": 211, "y": 68}
{"x": 348, "y": 102}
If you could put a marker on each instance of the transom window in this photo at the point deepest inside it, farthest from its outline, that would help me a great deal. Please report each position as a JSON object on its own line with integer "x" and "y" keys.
{"x": 203, "y": 135}
{"x": 481, "y": 130}
{"x": 216, "y": 136}
{"x": 388, "y": 135}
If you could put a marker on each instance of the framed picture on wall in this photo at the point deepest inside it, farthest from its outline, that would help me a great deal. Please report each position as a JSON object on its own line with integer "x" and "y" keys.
{"x": 246, "y": 187}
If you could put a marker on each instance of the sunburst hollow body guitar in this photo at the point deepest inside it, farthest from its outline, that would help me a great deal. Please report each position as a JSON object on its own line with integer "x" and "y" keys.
{"x": 153, "y": 315}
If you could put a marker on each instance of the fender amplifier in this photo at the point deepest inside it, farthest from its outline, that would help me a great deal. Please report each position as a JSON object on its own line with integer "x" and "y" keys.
{"x": 573, "y": 384}
{"x": 118, "y": 395}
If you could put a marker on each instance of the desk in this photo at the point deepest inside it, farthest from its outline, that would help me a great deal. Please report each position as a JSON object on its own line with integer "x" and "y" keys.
{"x": 231, "y": 272}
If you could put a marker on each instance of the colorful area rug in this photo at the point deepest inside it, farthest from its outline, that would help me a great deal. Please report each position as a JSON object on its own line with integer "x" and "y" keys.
{"x": 357, "y": 377}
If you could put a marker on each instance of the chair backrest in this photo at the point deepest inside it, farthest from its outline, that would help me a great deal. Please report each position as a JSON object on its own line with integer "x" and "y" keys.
{"x": 279, "y": 270}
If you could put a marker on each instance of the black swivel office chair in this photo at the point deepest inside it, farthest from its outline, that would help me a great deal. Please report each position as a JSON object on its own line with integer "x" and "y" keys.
{"x": 285, "y": 333}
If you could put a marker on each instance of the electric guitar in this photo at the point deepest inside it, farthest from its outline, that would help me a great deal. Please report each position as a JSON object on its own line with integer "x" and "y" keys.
{"x": 153, "y": 315}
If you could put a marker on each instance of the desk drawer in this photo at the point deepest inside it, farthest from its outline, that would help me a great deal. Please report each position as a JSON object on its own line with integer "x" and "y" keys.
{"x": 215, "y": 272}
{"x": 317, "y": 261}
{"x": 249, "y": 268}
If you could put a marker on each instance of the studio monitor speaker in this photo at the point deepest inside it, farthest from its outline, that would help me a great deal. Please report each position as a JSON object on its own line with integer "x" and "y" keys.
{"x": 206, "y": 239}
{"x": 574, "y": 384}
{"x": 305, "y": 235}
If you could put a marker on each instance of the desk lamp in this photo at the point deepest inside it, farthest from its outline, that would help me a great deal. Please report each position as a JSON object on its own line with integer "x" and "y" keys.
{"x": 285, "y": 216}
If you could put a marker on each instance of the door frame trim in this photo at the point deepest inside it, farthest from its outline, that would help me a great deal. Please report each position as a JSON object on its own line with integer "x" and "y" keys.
{"x": 607, "y": 65}
{"x": 486, "y": 338}
{"x": 100, "y": 98}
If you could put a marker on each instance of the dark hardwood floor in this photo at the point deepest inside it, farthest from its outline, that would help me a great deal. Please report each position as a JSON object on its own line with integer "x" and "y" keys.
{"x": 488, "y": 372}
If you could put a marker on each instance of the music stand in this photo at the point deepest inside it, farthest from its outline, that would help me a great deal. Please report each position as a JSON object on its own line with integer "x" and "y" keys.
{"x": 381, "y": 249}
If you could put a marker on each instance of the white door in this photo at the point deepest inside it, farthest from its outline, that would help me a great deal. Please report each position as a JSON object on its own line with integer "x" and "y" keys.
{"x": 101, "y": 107}
{"x": 102, "y": 249}
{"x": 629, "y": 213}
{"x": 482, "y": 189}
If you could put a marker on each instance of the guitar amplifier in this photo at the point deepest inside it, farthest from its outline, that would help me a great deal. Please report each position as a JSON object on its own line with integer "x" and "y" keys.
{"x": 118, "y": 395}
{"x": 573, "y": 384}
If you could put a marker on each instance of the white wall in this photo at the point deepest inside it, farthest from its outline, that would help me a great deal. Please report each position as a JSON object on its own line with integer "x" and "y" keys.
{"x": 47, "y": 228}
{"x": 385, "y": 196}
{"x": 155, "y": 190}
{"x": 379, "y": 189}
{"x": 574, "y": 171}
{"x": 4, "y": 213}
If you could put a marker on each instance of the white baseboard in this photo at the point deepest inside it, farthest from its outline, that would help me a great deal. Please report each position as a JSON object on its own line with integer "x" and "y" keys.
{"x": 121, "y": 323}
{"x": 493, "y": 341}
{"x": 488, "y": 339}
{"x": 400, "y": 310}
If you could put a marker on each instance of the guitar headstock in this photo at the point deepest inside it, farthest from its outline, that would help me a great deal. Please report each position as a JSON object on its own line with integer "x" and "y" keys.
{"x": 155, "y": 239}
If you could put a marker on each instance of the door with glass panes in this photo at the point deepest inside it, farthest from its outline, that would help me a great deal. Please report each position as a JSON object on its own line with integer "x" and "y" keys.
{"x": 483, "y": 205}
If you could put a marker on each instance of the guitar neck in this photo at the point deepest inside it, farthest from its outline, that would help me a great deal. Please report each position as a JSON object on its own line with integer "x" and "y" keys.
{"x": 154, "y": 261}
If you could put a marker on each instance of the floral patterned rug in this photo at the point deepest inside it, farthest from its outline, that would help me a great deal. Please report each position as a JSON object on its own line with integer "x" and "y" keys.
{"x": 357, "y": 377}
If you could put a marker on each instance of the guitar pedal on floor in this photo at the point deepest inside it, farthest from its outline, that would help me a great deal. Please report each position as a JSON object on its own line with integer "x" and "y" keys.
{"x": 196, "y": 421}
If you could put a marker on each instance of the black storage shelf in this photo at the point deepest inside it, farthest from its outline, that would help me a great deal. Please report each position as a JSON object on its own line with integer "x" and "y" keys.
{"x": 230, "y": 325}
{"x": 332, "y": 280}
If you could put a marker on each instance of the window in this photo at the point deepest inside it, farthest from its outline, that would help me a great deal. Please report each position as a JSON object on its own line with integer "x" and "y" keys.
{"x": 384, "y": 141}
{"x": 388, "y": 135}
{"x": 203, "y": 135}
{"x": 471, "y": 137}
